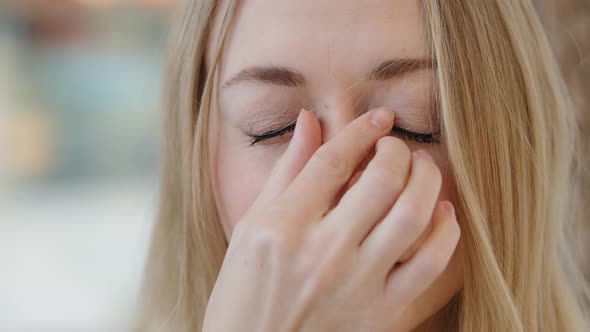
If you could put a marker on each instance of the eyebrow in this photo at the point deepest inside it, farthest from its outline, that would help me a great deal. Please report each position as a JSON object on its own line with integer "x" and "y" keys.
{"x": 395, "y": 68}
{"x": 274, "y": 75}
{"x": 286, "y": 77}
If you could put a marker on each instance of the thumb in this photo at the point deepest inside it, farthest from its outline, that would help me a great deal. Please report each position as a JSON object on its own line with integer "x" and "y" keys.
{"x": 307, "y": 138}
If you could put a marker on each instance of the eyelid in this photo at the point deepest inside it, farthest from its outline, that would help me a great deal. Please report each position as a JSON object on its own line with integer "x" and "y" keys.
{"x": 428, "y": 138}
{"x": 278, "y": 130}
{"x": 423, "y": 138}
{"x": 272, "y": 134}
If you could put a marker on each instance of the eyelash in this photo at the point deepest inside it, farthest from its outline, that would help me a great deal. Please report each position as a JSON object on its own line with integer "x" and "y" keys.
{"x": 431, "y": 138}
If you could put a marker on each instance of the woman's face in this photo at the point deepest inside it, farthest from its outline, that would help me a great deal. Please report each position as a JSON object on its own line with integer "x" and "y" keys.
{"x": 337, "y": 59}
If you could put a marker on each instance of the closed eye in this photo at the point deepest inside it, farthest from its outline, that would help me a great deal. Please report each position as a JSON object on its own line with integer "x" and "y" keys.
{"x": 424, "y": 138}
{"x": 429, "y": 138}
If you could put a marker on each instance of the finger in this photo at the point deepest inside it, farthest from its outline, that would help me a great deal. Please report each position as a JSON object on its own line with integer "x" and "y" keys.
{"x": 408, "y": 218}
{"x": 373, "y": 195}
{"x": 409, "y": 253}
{"x": 333, "y": 163}
{"x": 407, "y": 281}
{"x": 307, "y": 138}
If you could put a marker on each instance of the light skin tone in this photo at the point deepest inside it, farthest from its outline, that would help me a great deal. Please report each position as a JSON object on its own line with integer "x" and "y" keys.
{"x": 342, "y": 224}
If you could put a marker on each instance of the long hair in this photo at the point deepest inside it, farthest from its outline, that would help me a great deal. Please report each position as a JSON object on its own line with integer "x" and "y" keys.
{"x": 507, "y": 123}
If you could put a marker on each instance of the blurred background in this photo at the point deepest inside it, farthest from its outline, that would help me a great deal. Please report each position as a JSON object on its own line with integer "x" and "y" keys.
{"x": 80, "y": 87}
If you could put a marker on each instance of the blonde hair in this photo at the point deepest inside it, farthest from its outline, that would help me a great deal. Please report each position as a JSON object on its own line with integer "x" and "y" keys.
{"x": 507, "y": 124}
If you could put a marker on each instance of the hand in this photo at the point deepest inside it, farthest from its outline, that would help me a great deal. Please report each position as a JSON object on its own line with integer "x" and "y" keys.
{"x": 299, "y": 262}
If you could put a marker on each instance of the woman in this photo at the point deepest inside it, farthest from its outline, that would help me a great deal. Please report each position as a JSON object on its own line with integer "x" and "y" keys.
{"x": 342, "y": 217}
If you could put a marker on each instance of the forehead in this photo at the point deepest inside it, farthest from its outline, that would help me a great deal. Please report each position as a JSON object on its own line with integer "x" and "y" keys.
{"x": 318, "y": 37}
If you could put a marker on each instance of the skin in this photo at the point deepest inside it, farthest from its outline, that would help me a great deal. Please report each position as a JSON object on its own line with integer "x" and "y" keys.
{"x": 334, "y": 46}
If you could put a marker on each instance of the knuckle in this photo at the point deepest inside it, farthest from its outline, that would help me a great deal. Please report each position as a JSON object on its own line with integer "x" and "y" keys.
{"x": 267, "y": 232}
{"x": 270, "y": 239}
{"x": 333, "y": 163}
{"x": 381, "y": 175}
{"x": 412, "y": 218}
{"x": 432, "y": 267}
{"x": 386, "y": 180}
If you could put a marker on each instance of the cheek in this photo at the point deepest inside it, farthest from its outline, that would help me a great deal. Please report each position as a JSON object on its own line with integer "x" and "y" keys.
{"x": 239, "y": 177}
{"x": 448, "y": 189}
{"x": 442, "y": 290}
{"x": 437, "y": 295}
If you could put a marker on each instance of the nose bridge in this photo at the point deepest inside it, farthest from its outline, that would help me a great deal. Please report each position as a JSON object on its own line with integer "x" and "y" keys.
{"x": 337, "y": 113}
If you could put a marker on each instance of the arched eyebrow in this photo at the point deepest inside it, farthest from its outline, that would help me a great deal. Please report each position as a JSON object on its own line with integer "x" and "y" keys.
{"x": 395, "y": 68}
{"x": 283, "y": 76}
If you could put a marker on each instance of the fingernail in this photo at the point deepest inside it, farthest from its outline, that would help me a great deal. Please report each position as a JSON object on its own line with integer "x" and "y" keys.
{"x": 382, "y": 119}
